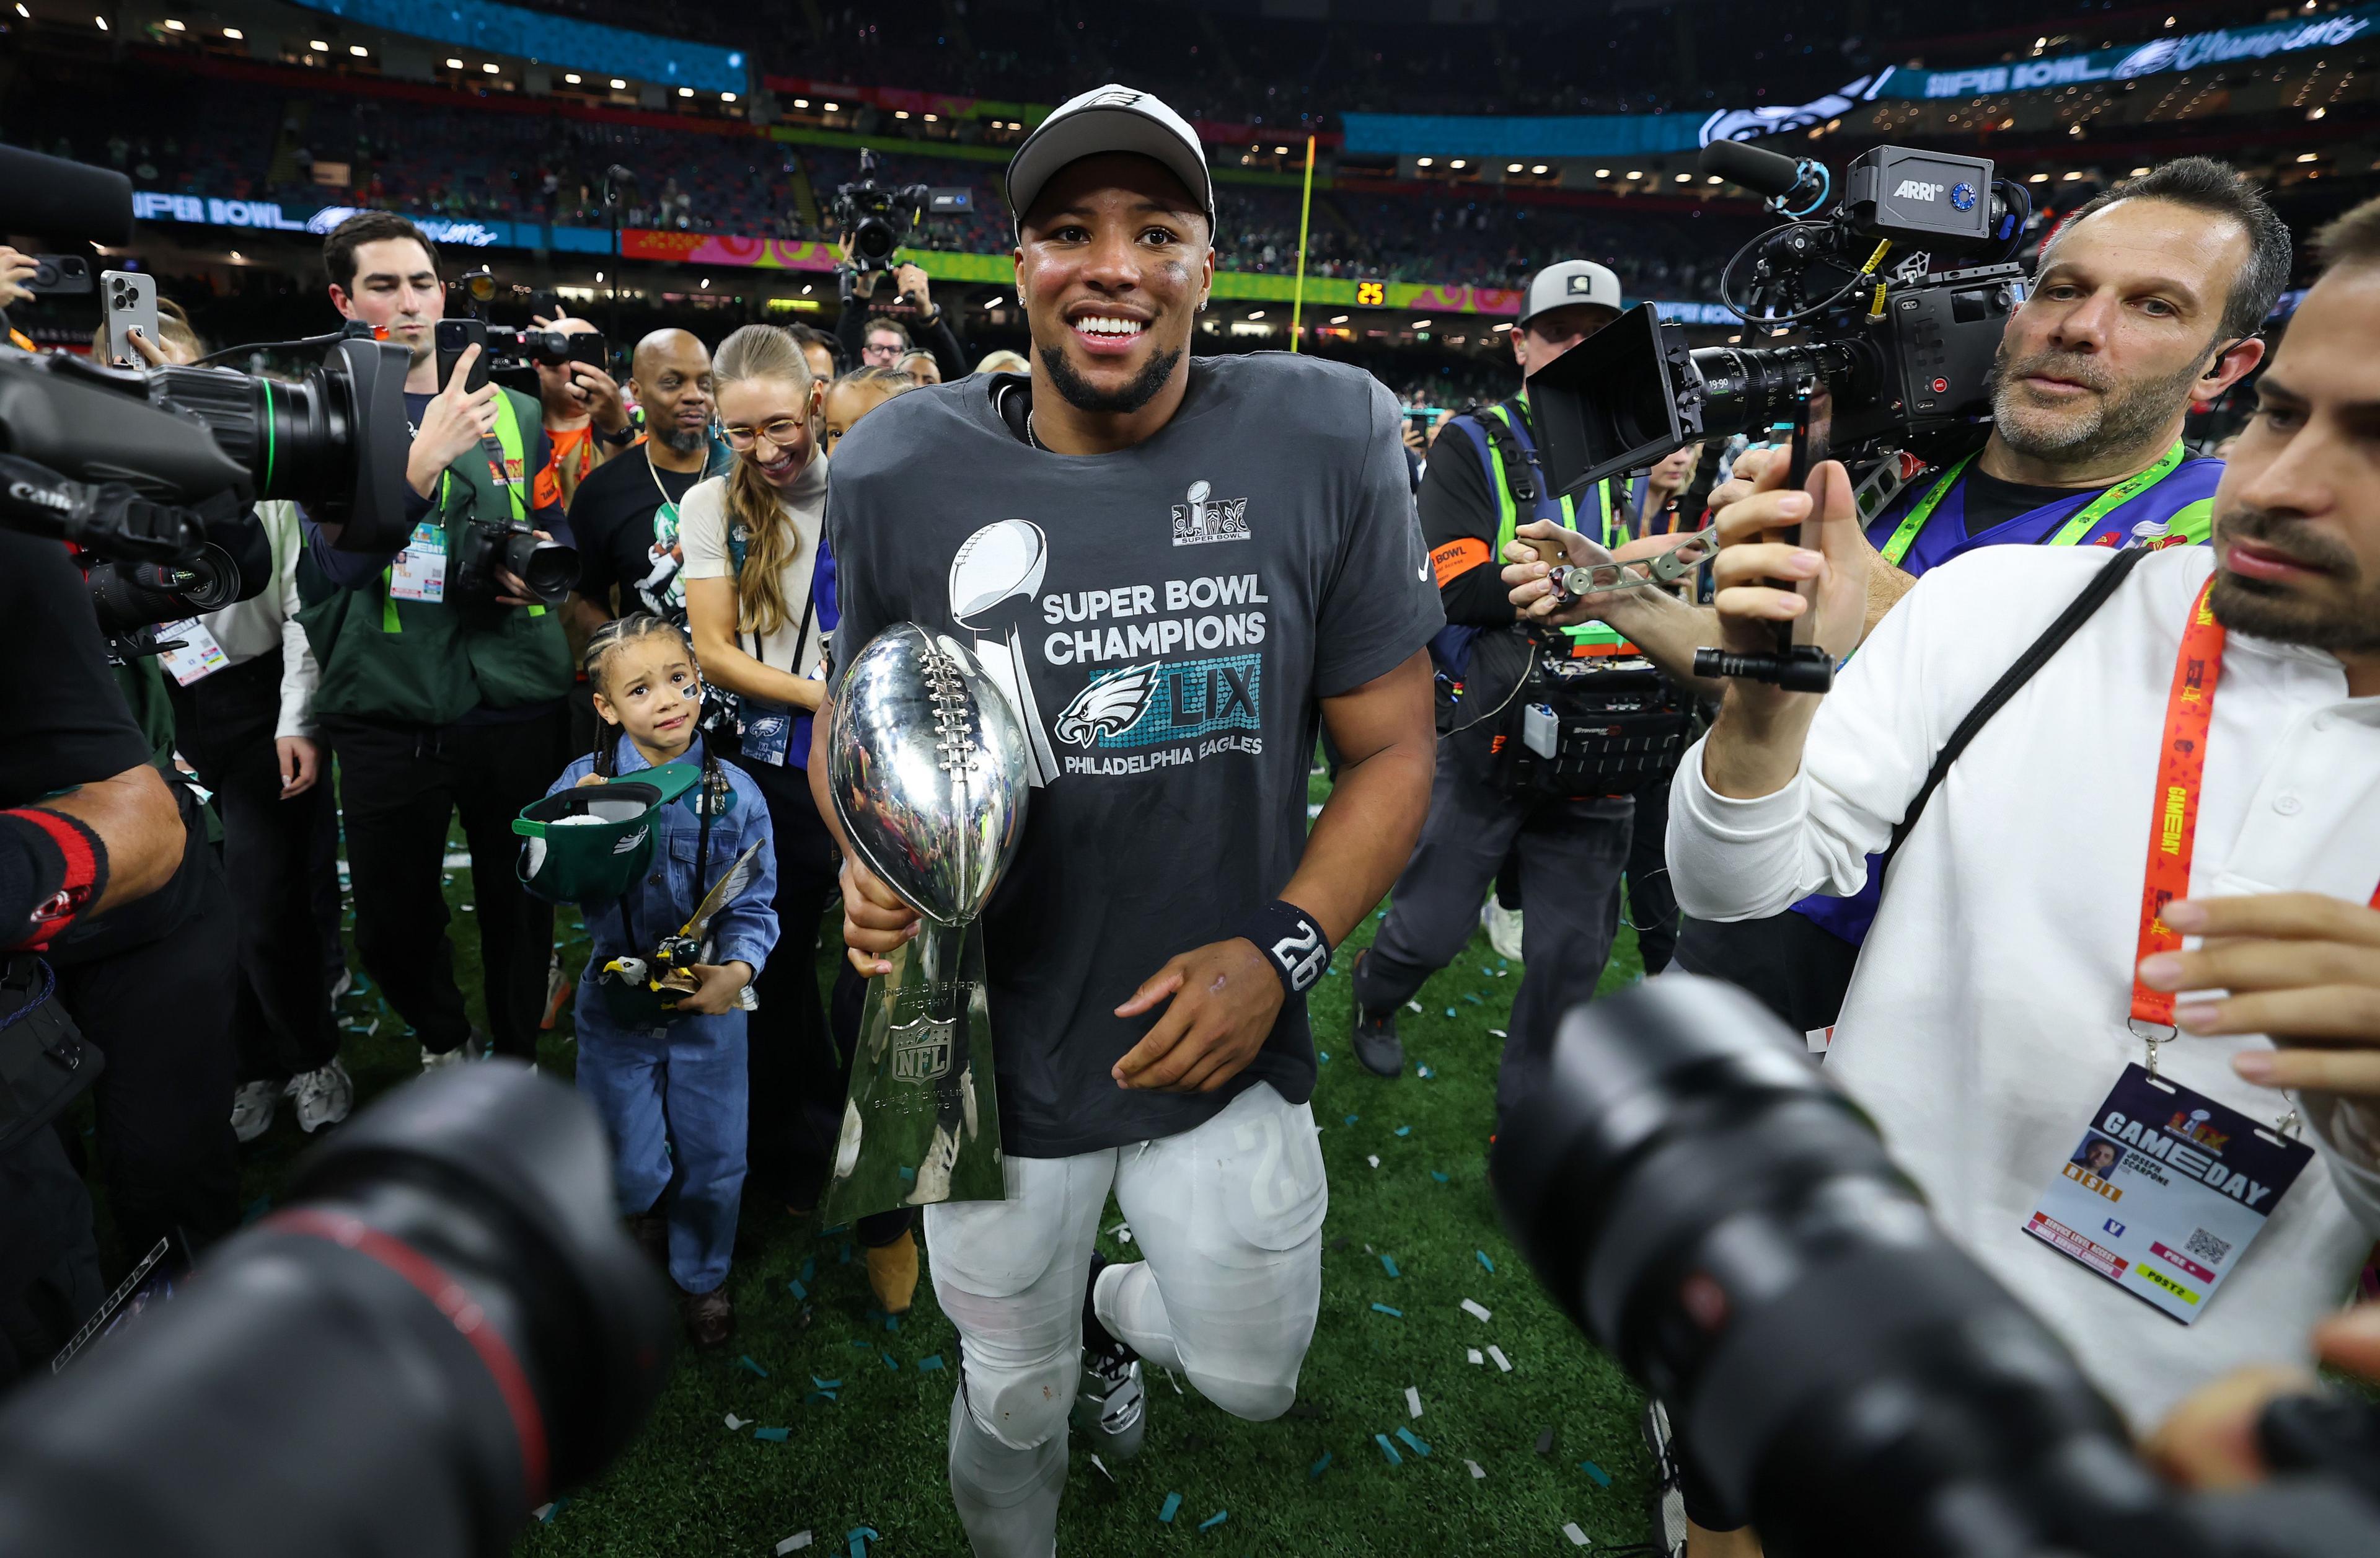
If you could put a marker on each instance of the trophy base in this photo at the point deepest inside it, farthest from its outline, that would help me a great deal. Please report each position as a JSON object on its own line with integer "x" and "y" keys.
{"x": 921, "y": 1124}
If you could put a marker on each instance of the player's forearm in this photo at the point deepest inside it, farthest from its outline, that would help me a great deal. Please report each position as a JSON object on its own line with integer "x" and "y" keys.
{"x": 821, "y": 796}
{"x": 1365, "y": 834}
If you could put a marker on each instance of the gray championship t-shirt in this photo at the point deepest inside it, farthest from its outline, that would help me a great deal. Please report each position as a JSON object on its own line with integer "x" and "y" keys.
{"x": 1175, "y": 610}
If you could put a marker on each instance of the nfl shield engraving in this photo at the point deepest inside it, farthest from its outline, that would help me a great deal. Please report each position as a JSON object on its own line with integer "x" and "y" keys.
{"x": 929, "y": 771}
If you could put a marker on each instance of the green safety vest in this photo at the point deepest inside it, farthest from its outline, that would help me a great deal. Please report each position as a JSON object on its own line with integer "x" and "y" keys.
{"x": 2193, "y": 521}
{"x": 430, "y": 663}
{"x": 1586, "y": 636}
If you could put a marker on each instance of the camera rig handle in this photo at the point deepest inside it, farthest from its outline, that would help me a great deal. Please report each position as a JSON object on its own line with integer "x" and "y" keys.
{"x": 107, "y": 517}
{"x": 1803, "y": 668}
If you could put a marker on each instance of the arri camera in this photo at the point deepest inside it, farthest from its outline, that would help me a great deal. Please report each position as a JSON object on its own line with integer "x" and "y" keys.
{"x": 878, "y": 218}
{"x": 1721, "y": 1218}
{"x": 1902, "y": 349}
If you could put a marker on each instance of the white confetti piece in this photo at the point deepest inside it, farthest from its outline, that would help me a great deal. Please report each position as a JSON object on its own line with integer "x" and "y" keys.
{"x": 1471, "y": 1307}
{"x": 1476, "y": 1475}
{"x": 793, "y": 1543}
{"x": 1103, "y": 1467}
{"x": 1372, "y": 1159}
{"x": 1475, "y": 1356}
{"x": 1577, "y": 1536}
{"x": 1413, "y": 1005}
{"x": 541, "y": 1512}
{"x": 737, "y": 1423}
{"x": 1175, "y": 1383}
{"x": 1498, "y": 1033}
{"x": 1501, "y": 1361}
{"x": 1413, "y": 1401}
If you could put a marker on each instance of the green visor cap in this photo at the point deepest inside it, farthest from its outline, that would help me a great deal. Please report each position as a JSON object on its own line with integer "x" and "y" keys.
{"x": 592, "y": 841}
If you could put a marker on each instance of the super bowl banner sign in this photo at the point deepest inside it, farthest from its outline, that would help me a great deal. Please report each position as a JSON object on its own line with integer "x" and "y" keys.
{"x": 2156, "y": 57}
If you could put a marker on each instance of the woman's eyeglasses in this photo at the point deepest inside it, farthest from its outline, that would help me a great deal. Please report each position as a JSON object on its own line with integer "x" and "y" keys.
{"x": 781, "y": 432}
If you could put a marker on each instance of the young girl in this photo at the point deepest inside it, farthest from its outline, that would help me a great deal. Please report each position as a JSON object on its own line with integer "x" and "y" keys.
{"x": 672, "y": 1094}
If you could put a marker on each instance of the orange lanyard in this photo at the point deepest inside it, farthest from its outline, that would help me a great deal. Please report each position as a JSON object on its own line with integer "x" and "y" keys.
{"x": 2181, "y": 769}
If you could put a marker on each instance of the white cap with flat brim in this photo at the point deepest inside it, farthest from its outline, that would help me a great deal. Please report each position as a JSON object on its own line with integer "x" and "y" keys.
{"x": 1570, "y": 282}
{"x": 1110, "y": 118}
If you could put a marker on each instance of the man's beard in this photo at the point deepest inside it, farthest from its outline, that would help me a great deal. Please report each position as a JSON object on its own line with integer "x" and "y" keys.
{"x": 683, "y": 440}
{"x": 1082, "y": 396}
{"x": 2270, "y": 610}
{"x": 2119, "y": 418}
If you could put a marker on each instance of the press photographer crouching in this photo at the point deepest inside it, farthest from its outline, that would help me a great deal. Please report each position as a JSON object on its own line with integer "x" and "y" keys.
{"x": 445, "y": 675}
{"x": 2214, "y": 715}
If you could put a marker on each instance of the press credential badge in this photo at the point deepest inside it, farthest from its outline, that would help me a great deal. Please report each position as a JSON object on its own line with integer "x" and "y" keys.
{"x": 197, "y": 656}
{"x": 2165, "y": 1192}
{"x": 419, "y": 571}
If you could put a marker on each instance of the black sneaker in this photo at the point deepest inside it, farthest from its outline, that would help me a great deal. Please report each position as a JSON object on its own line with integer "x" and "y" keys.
{"x": 1111, "y": 1406}
{"x": 1377, "y": 1044}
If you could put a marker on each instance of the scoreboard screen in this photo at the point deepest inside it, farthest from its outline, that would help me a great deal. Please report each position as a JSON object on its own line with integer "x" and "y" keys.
{"x": 1371, "y": 295}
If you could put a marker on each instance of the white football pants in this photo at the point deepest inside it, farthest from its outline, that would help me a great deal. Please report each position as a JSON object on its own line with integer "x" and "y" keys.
{"x": 1228, "y": 1219}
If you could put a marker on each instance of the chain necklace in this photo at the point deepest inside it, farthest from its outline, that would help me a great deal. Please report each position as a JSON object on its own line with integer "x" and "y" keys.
{"x": 1029, "y": 436}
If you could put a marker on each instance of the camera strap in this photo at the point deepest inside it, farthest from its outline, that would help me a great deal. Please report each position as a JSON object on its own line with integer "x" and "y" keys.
{"x": 1904, "y": 535}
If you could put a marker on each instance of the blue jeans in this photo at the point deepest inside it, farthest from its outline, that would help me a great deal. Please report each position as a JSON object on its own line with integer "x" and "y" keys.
{"x": 673, "y": 1100}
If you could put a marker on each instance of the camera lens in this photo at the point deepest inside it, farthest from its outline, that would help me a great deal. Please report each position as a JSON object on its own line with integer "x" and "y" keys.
{"x": 548, "y": 567}
{"x": 874, "y": 240}
{"x": 128, "y": 596}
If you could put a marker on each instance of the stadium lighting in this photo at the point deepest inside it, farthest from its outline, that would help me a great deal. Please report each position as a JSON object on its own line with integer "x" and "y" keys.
{"x": 599, "y": 279}
{"x": 1337, "y": 319}
{"x": 1635, "y": 172}
{"x": 171, "y": 25}
{"x": 1506, "y": 326}
{"x": 2071, "y": 177}
{"x": 2039, "y": 178}
{"x": 453, "y": 65}
{"x": 2316, "y": 113}
{"x": 233, "y": 33}
{"x": 2308, "y": 156}
{"x": 570, "y": 76}
{"x": 1421, "y": 324}
{"x": 1512, "y": 167}
{"x": 491, "y": 68}
{"x": 1255, "y": 314}
{"x": 22, "y": 12}
{"x": 801, "y": 103}
{"x": 2139, "y": 173}
{"x": 706, "y": 283}
{"x": 832, "y": 108}
{"x": 358, "y": 51}
{"x": 1458, "y": 164}
{"x": 1685, "y": 178}
{"x": 933, "y": 119}
{"x": 1715, "y": 178}
{"x": 1421, "y": 162}
{"x": 1603, "y": 173}
{"x": 618, "y": 85}
{"x": 686, "y": 91}
{"x": 318, "y": 46}
{"x": 1541, "y": 168}
{"x": 900, "y": 113}
{"x": 726, "y": 97}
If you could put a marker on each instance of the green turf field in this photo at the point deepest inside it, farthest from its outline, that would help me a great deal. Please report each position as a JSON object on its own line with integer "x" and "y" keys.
{"x": 872, "y": 1457}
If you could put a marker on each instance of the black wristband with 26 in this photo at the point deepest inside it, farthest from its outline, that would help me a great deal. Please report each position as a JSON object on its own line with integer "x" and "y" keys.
{"x": 1290, "y": 940}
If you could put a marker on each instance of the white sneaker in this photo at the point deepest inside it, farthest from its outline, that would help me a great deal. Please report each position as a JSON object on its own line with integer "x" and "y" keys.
{"x": 1503, "y": 928}
{"x": 1668, "y": 1501}
{"x": 324, "y": 1096}
{"x": 339, "y": 987}
{"x": 468, "y": 1050}
{"x": 251, "y": 1109}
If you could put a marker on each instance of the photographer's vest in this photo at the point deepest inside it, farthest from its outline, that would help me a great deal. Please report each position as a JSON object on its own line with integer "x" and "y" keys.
{"x": 425, "y": 663}
{"x": 1507, "y": 444}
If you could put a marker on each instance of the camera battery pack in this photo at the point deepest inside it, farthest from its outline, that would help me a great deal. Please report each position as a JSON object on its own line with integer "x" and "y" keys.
{"x": 1540, "y": 731}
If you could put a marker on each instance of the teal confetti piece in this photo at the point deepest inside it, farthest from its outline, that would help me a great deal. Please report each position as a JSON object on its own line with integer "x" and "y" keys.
{"x": 817, "y": 1396}
{"x": 809, "y": 1270}
{"x": 1501, "y": 963}
{"x": 745, "y": 1362}
{"x": 856, "y": 1541}
{"x": 1405, "y": 1130}
{"x": 797, "y": 1289}
{"x": 890, "y": 1361}
{"x": 1383, "y": 1308}
{"x": 1390, "y": 1266}
{"x": 929, "y": 1363}
{"x": 1387, "y": 1449}
{"x": 1485, "y": 1261}
{"x": 1423, "y": 1072}
{"x": 1415, "y": 1445}
{"x": 844, "y": 1257}
{"x": 1449, "y": 1010}
{"x": 1172, "y": 1502}
{"x": 1314, "y": 1473}
{"x": 1214, "y": 1520}
{"x": 1474, "y": 1000}
{"x": 1323, "y": 1056}
{"x": 773, "y": 1435}
{"x": 1487, "y": 972}
{"x": 545, "y": 1515}
{"x": 1440, "y": 1178}
{"x": 908, "y": 1174}
{"x": 1351, "y": 1119}
{"x": 826, "y": 1384}
{"x": 1602, "y": 1477}
{"x": 891, "y": 1322}
{"x": 863, "y": 1346}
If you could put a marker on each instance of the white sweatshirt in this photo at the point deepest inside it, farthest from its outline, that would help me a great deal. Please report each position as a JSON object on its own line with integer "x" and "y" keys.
{"x": 266, "y": 622}
{"x": 1987, "y": 1019}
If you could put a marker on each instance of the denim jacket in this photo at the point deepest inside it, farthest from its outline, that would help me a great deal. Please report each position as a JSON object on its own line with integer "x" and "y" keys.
{"x": 747, "y": 929}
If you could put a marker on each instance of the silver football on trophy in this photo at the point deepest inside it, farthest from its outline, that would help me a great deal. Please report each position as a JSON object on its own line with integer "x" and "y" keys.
{"x": 929, "y": 771}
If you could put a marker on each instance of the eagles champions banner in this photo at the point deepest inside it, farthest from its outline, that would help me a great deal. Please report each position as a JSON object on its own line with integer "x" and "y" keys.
{"x": 2129, "y": 61}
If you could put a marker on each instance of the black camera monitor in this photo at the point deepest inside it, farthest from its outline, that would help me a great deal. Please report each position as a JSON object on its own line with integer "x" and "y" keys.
{"x": 1611, "y": 404}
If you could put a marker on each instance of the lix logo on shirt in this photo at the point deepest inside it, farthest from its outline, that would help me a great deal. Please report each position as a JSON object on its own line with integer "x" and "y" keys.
{"x": 1203, "y": 519}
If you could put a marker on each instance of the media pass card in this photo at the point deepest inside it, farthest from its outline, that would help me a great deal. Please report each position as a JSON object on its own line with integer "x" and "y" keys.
{"x": 2165, "y": 1192}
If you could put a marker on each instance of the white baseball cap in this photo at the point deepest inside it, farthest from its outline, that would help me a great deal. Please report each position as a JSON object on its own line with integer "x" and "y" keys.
{"x": 1572, "y": 281}
{"x": 1114, "y": 118}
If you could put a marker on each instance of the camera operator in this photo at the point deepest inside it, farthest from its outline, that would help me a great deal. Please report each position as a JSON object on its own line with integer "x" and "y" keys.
{"x": 2145, "y": 303}
{"x": 436, "y": 705}
{"x": 585, "y": 422}
{"x": 1482, "y": 481}
{"x": 2230, "y": 691}
{"x": 880, "y": 340}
